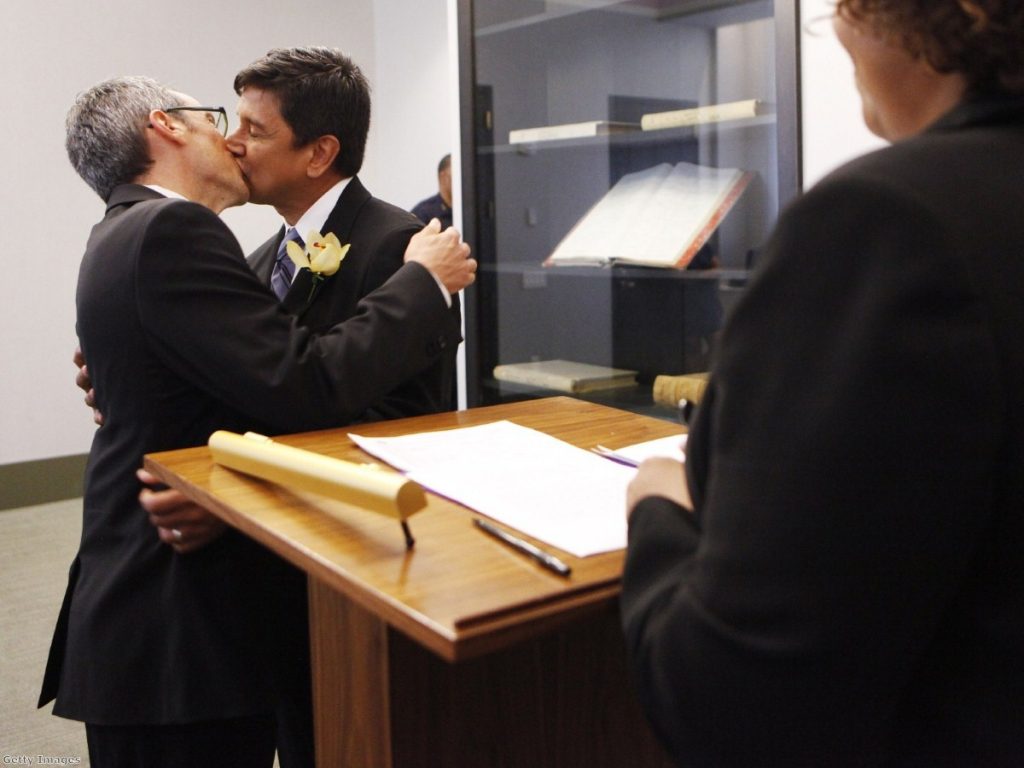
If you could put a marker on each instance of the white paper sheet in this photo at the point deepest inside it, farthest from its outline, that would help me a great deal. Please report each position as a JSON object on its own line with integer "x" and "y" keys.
{"x": 548, "y": 489}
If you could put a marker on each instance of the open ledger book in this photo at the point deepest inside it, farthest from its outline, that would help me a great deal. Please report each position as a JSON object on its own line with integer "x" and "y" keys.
{"x": 658, "y": 217}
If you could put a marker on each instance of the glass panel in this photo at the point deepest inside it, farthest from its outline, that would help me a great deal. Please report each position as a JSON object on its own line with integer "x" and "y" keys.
{"x": 572, "y": 96}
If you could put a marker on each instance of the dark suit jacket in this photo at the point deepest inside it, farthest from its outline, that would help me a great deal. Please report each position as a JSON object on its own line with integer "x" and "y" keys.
{"x": 378, "y": 233}
{"x": 850, "y": 590}
{"x": 182, "y": 339}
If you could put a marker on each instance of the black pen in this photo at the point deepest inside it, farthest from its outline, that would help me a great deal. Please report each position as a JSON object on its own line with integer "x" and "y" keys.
{"x": 547, "y": 560}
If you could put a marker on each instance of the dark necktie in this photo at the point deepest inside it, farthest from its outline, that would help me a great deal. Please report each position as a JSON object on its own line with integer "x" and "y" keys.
{"x": 284, "y": 267}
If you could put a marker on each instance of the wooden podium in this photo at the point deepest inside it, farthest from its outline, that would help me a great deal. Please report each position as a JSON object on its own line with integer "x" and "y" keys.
{"x": 461, "y": 651}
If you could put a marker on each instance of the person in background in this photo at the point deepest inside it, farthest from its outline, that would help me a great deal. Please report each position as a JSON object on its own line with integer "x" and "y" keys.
{"x": 440, "y": 205}
{"x": 837, "y": 578}
{"x": 167, "y": 646}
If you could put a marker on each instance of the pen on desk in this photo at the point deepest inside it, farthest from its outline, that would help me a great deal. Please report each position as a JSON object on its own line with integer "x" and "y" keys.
{"x": 546, "y": 559}
{"x": 611, "y": 455}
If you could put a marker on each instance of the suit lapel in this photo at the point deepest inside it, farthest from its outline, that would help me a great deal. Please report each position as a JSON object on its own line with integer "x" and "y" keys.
{"x": 300, "y": 296}
{"x": 305, "y": 289}
{"x": 302, "y": 290}
{"x": 342, "y": 218}
{"x": 261, "y": 261}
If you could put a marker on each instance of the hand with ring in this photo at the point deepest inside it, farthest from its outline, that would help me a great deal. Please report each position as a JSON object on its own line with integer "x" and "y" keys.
{"x": 179, "y": 523}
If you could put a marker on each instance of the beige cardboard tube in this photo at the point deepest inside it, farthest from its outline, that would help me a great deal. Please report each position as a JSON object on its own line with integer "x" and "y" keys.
{"x": 363, "y": 486}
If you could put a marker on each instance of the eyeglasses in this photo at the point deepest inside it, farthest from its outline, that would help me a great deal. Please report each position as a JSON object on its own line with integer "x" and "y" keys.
{"x": 218, "y": 116}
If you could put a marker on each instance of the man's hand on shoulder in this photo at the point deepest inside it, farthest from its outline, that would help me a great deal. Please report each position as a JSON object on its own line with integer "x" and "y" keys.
{"x": 444, "y": 254}
{"x": 85, "y": 384}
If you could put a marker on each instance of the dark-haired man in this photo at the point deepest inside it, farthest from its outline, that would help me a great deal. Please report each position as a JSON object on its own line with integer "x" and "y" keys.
{"x": 304, "y": 116}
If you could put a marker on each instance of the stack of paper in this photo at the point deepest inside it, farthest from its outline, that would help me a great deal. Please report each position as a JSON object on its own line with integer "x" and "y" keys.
{"x": 553, "y": 491}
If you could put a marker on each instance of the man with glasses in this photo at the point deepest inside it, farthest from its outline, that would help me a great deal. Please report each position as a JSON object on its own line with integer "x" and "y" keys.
{"x": 168, "y": 658}
{"x": 304, "y": 116}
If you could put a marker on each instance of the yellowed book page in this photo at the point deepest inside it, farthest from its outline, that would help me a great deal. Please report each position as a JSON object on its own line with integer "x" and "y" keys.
{"x": 657, "y": 217}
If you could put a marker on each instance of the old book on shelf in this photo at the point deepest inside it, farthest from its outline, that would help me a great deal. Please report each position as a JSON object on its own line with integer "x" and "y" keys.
{"x": 659, "y": 217}
{"x": 711, "y": 113}
{"x": 565, "y": 376}
{"x": 569, "y": 131}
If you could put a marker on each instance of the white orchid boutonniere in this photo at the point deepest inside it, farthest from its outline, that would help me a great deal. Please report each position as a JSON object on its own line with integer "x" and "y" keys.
{"x": 322, "y": 255}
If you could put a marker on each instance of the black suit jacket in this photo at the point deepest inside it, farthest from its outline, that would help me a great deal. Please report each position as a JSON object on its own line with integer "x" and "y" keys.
{"x": 378, "y": 233}
{"x": 183, "y": 339}
{"x": 850, "y": 589}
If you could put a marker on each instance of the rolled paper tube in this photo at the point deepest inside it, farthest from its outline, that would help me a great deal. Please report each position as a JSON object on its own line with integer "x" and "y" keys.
{"x": 362, "y": 486}
{"x": 669, "y": 390}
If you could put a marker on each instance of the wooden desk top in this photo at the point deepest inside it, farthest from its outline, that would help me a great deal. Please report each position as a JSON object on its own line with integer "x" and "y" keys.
{"x": 459, "y": 592}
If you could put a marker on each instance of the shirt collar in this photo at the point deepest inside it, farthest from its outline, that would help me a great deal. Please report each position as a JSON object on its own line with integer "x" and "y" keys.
{"x": 165, "y": 191}
{"x": 316, "y": 215}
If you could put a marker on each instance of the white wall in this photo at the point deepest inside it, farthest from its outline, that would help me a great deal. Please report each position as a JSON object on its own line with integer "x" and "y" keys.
{"x": 412, "y": 100}
{"x": 52, "y": 49}
{"x": 833, "y": 130}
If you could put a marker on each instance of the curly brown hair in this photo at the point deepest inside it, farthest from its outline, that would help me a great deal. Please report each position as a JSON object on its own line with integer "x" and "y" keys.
{"x": 980, "y": 39}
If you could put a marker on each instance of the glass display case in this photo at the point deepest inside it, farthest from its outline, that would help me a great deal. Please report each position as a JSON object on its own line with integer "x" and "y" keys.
{"x": 623, "y": 163}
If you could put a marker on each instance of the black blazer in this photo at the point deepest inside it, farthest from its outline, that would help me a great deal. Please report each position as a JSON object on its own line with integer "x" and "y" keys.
{"x": 183, "y": 339}
{"x": 850, "y": 590}
{"x": 378, "y": 233}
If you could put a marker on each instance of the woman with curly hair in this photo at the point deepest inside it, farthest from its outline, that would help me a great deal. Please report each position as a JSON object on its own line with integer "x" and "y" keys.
{"x": 837, "y": 579}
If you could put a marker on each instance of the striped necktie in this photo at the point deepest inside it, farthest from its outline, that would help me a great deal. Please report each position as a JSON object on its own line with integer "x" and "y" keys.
{"x": 284, "y": 267}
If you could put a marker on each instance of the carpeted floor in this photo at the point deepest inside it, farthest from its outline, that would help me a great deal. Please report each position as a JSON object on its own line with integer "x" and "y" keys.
{"x": 37, "y": 545}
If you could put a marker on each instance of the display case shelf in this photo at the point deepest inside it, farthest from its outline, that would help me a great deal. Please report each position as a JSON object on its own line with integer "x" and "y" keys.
{"x": 638, "y": 138}
{"x": 537, "y": 273}
{"x": 557, "y": 63}
{"x": 558, "y": 9}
